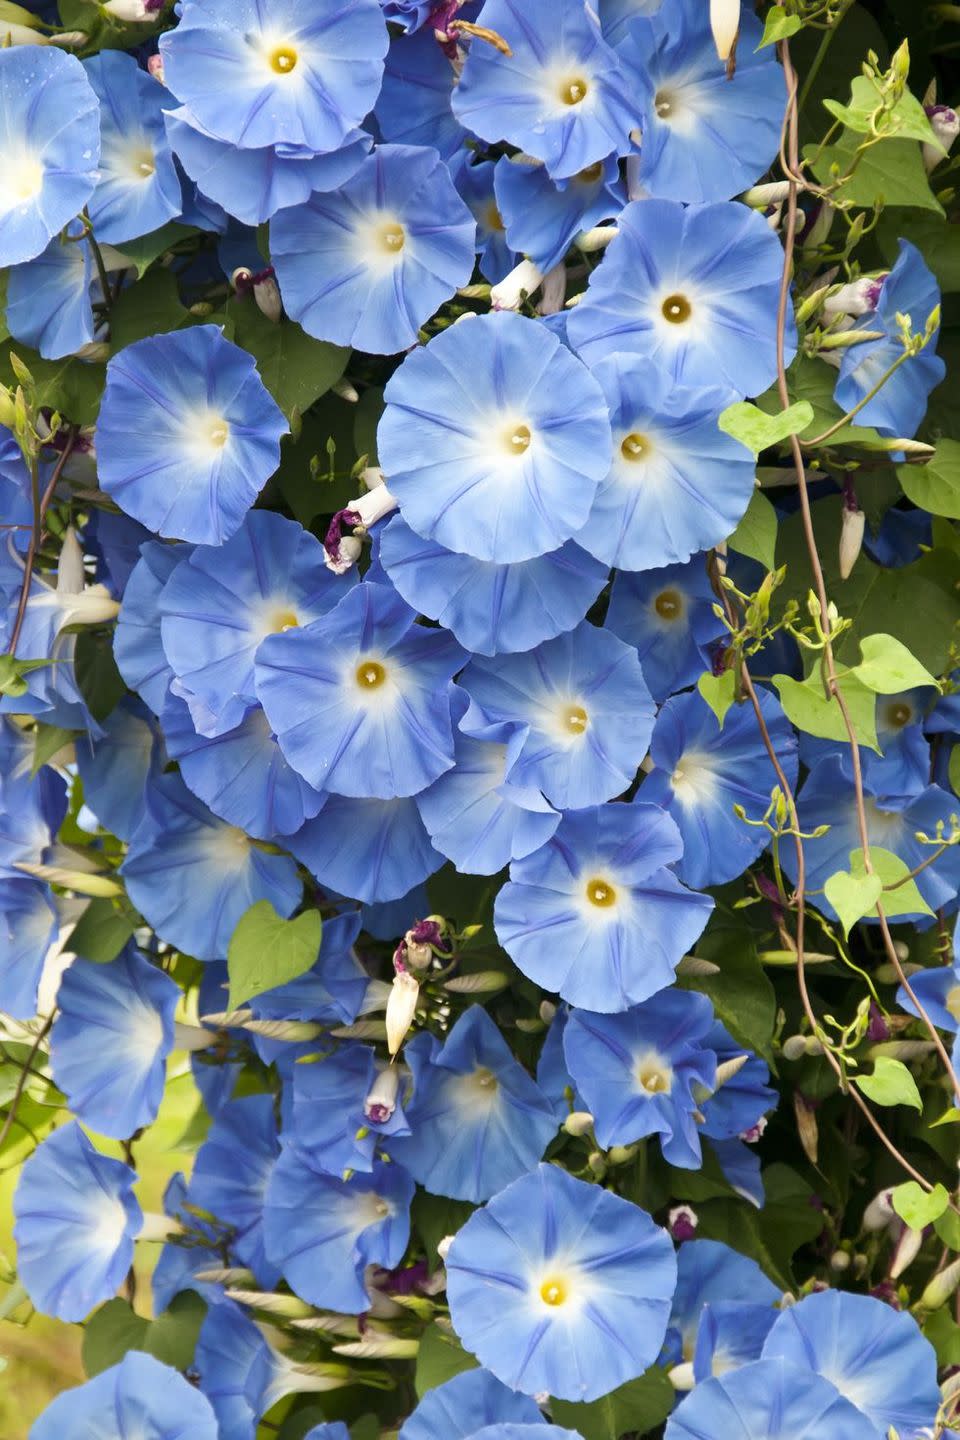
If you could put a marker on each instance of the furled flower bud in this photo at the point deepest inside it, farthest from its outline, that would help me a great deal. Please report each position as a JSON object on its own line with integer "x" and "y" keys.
{"x": 133, "y": 11}
{"x": 523, "y": 280}
{"x": 725, "y": 24}
{"x": 905, "y": 1250}
{"x": 856, "y": 298}
{"x": 945, "y": 124}
{"x": 401, "y": 1008}
{"x": 348, "y": 553}
{"x": 579, "y": 1122}
{"x": 879, "y": 1212}
{"x": 554, "y": 291}
{"x": 266, "y": 292}
{"x": 941, "y": 1287}
{"x": 443, "y": 1248}
{"x": 682, "y": 1222}
{"x": 382, "y": 1099}
{"x": 851, "y": 539}
{"x": 71, "y": 576}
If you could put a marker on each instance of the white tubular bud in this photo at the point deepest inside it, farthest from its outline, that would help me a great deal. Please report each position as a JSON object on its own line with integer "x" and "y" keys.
{"x": 132, "y": 12}
{"x": 794, "y": 1047}
{"x": 547, "y": 1011}
{"x": 71, "y": 576}
{"x": 851, "y": 540}
{"x": 379, "y": 1347}
{"x": 807, "y": 1128}
{"x": 158, "y": 1228}
{"x": 598, "y": 238}
{"x": 288, "y": 1307}
{"x": 443, "y": 1249}
{"x": 760, "y": 196}
{"x": 681, "y": 1377}
{"x": 346, "y": 391}
{"x": 266, "y": 292}
{"x": 382, "y": 1099}
{"x": 725, "y": 24}
{"x": 524, "y": 279}
{"x": 191, "y": 1037}
{"x": 839, "y": 1261}
{"x": 941, "y": 1287}
{"x": 11, "y": 34}
{"x": 350, "y": 551}
{"x": 905, "y": 1251}
{"x": 580, "y": 1122}
{"x": 945, "y": 124}
{"x": 856, "y": 298}
{"x": 401, "y": 1008}
{"x": 373, "y": 506}
{"x": 69, "y": 39}
{"x": 820, "y": 229}
{"x": 728, "y": 1068}
{"x": 554, "y": 293}
{"x": 879, "y": 1212}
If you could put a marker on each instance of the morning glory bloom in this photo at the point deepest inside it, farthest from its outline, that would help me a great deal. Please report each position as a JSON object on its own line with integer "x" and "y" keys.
{"x": 28, "y": 927}
{"x": 49, "y": 300}
{"x": 898, "y": 408}
{"x": 476, "y": 185}
{"x": 413, "y": 107}
{"x": 677, "y": 484}
{"x": 875, "y": 1356}
{"x": 561, "y": 94}
{"x": 493, "y": 439}
{"x": 234, "y": 1193}
{"x": 766, "y": 1401}
{"x": 76, "y": 1218}
{"x": 368, "y": 265}
{"x": 468, "y": 1403}
{"x": 223, "y": 601}
{"x": 242, "y": 1375}
{"x": 138, "y": 189}
{"x": 137, "y": 647}
{"x": 322, "y": 1232}
{"x": 560, "y": 1286}
{"x": 192, "y": 877}
{"x": 617, "y": 17}
{"x": 668, "y": 615}
{"x": 371, "y": 850}
{"x": 706, "y": 135}
{"x": 32, "y": 809}
{"x": 272, "y": 72}
{"x": 596, "y": 914}
{"x": 702, "y": 770}
{"x": 477, "y": 1119}
{"x": 114, "y": 769}
{"x": 582, "y": 708}
{"x": 644, "y": 1072}
{"x": 693, "y": 288}
{"x": 332, "y": 1122}
{"x": 709, "y": 1272}
{"x": 140, "y": 1396}
{"x": 208, "y": 434}
{"x": 252, "y": 185}
{"x": 731, "y": 1334}
{"x": 359, "y": 700}
{"x": 332, "y": 991}
{"x": 111, "y": 1039}
{"x": 492, "y": 608}
{"x": 542, "y": 218}
{"x": 902, "y": 770}
{"x": 50, "y": 138}
{"x": 826, "y": 798}
{"x": 741, "y": 1100}
{"x": 937, "y": 989}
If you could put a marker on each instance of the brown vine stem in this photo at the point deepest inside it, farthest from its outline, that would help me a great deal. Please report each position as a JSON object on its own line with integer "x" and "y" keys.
{"x": 40, "y": 506}
{"x": 22, "y": 1081}
{"x": 830, "y": 673}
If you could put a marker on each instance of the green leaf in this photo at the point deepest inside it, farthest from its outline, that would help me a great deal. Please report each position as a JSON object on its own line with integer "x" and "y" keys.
{"x": 115, "y": 1328}
{"x": 635, "y": 1408}
{"x": 101, "y": 932}
{"x": 741, "y": 992}
{"x": 918, "y": 1207}
{"x": 718, "y": 691}
{"x": 434, "y": 1217}
{"x": 953, "y": 769}
{"x": 366, "y": 418}
{"x": 947, "y": 1226}
{"x": 806, "y": 706}
{"x": 779, "y": 26}
{"x": 295, "y": 368}
{"x": 71, "y": 386}
{"x": 943, "y": 1332}
{"x": 150, "y": 307}
{"x": 266, "y": 951}
{"x": 147, "y": 248}
{"x": 853, "y": 896}
{"x": 813, "y": 381}
{"x": 906, "y": 121}
{"x": 759, "y": 429}
{"x": 906, "y": 898}
{"x": 439, "y": 1358}
{"x": 889, "y": 173}
{"x": 887, "y": 667}
{"x": 96, "y": 673}
{"x": 756, "y": 535}
{"x": 936, "y": 242}
{"x": 48, "y": 742}
{"x": 890, "y": 1084}
{"x": 949, "y": 1117}
{"x": 936, "y": 485}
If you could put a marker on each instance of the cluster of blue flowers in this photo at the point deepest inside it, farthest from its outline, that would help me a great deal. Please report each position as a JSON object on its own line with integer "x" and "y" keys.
{"x": 521, "y": 218}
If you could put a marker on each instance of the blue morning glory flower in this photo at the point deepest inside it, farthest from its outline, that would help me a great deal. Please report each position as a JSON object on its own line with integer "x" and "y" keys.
{"x": 876, "y": 1357}
{"x": 50, "y": 136}
{"x": 737, "y": 1106}
{"x": 49, "y": 300}
{"x": 28, "y": 927}
{"x": 192, "y": 877}
{"x": 668, "y": 615}
{"x": 595, "y": 914}
{"x": 644, "y": 1072}
{"x": 560, "y": 1286}
{"x": 677, "y": 484}
{"x": 111, "y": 1039}
{"x": 413, "y": 107}
{"x": 332, "y": 991}
{"x": 76, "y": 1218}
{"x": 359, "y": 700}
{"x": 937, "y": 989}
{"x": 333, "y": 1123}
{"x": 693, "y": 288}
{"x": 582, "y": 707}
{"x": 469, "y": 1402}
{"x": 31, "y": 812}
{"x": 617, "y": 17}
{"x": 138, "y": 189}
{"x": 114, "y": 769}
{"x": 270, "y": 72}
{"x": 707, "y": 135}
{"x": 208, "y": 434}
{"x": 178, "y": 1265}
{"x": 241, "y": 1374}
{"x": 137, "y": 647}
{"x": 702, "y": 770}
{"x": 709, "y": 1271}
{"x": 322, "y": 1232}
{"x": 475, "y": 816}
{"x": 477, "y": 1119}
{"x": 140, "y": 1396}
{"x": 492, "y": 608}
{"x": 371, "y": 850}
{"x": 223, "y": 601}
{"x": 543, "y": 218}
{"x": 731, "y": 1334}
{"x": 900, "y": 405}
{"x": 493, "y": 439}
{"x": 765, "y": 1401}
{"x": 476, "y": 185}
{"x": 368, "y": 265}
{"x": 561, "y": 94}
{"x": 903, "y": 768}
{"x": 827, "y": 798}
{"x": 234, "y": 1193}
{"x": 252, "y": 185}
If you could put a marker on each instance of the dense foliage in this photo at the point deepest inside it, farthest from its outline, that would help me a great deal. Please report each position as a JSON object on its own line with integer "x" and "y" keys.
{"x": 479, "y": 710}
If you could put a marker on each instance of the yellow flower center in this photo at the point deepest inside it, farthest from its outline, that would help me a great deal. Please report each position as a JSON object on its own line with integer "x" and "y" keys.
{"x": 676, "y": 309}
{"x": 23, "y": 178}
{"x": 494, "y": 219}
{"x": 282, "y": 620}
{"x": 574, "y": 90}
{"x": 899, "y": 715}
{"x": 516, "y": 439}
{"x": 218, "y": 432}
{"x": 634, "y": 447}
{"x": 143, "y": 163}
{"x": 553, "y": 1291}
{"x": 653, "y": 1080}
{"x": 668, "y": 605}
{"x": 282, "y": 59}
{"x": 601, "y": 893}
{"x": 663, "y": 104}
{"x": 953, "y": 1002}
{"x": 391, "y": 237}
{"x": 591, "y": 174}
{"x": 370, "y": 674}
{"x": 576, "y": 719}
